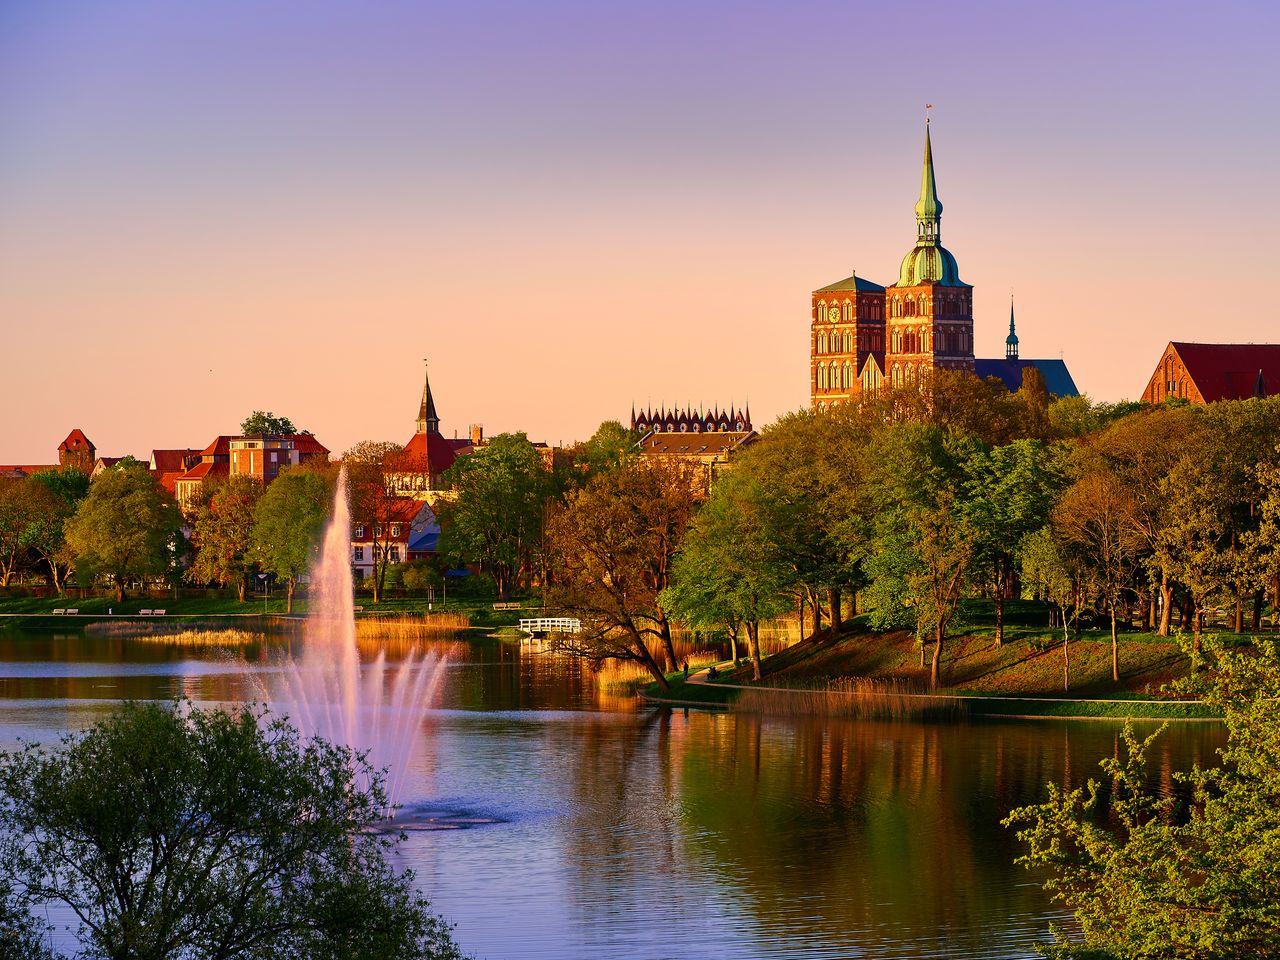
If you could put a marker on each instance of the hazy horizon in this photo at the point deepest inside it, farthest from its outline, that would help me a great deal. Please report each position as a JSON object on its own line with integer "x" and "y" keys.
{"x": 574, "y": 207}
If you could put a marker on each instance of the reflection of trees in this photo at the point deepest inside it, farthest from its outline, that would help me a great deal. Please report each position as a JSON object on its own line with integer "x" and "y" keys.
{"x": 891, "y": 830}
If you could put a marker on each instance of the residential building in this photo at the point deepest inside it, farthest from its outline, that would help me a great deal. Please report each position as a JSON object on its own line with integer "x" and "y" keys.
{"x": 260, "y": 457}
{"x": 409, "y": 531}
{"x": 707, "y": 437}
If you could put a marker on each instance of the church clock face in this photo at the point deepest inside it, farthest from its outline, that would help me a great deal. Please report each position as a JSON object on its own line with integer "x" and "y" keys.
{"x": 833, "y": 314}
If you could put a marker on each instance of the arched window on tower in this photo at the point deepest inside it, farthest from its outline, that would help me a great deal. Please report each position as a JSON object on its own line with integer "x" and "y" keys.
{"x": 822, "y": 376}
{"x": 848, "y": 341}
{"x": 846, "y": 375}
{"x": 822, "y": 342}
{"x": 834, "y": 375}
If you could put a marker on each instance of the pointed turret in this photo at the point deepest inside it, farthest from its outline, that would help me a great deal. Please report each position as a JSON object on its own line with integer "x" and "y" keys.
{"x": 428, "y": 420}
{"x": 929, "y": 261}
{"x": 928, "y": 207}
{"x": 1011, "y": 341}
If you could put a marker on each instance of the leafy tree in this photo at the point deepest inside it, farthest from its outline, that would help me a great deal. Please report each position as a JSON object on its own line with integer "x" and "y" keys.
{"x": 376, "y": 473}
{"x": 1091, "y": 522}
{"x": 287, "y": 524}
{"x": 1010, "y": 491}
{"x": 222, "y": 535}
{"x": 214, "y": 834}
{"x": 611, "y": 446}
{"x": 614, "y": 542}
{"x": 15, "y": 515}
{"x": 1056, "y": 575}
{"x": 127, "y": 526}
{"x": 729, "y": 570}
{"x": 1149, "y": 878}
{"x": 925, "y": 547}
{"x": 496, "y": 519}
{"x": 266, "y": 422}
{"x": 54, "y": 496}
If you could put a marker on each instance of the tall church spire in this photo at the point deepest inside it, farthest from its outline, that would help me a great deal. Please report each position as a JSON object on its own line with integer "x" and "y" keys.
{"x": 428, "y": 421}
{"x": 928, "y": 207}
{"x": 1011, "y": 341}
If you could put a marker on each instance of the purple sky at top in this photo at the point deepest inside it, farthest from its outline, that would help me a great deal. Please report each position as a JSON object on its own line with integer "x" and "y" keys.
{"x": 571, "y": 207}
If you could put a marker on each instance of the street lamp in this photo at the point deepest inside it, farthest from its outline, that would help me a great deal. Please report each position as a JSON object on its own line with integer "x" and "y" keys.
{"x": 263, "y": 578}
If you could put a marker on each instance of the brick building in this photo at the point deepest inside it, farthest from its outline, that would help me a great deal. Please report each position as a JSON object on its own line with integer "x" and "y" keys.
{"x": 260, "y": 457}
{"x": 1205, "y": 372}
{"x": 863, "y": 335}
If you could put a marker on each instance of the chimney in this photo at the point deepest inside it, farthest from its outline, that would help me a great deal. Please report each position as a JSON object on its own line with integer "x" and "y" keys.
{"x": 477, "y": 434}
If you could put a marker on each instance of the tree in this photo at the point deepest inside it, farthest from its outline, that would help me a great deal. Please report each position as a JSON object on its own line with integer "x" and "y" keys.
{"x": 1055, "y": 575}
{"x": 55, "y": 496}
{"x": 1009, "y": 493}
{"x": 924, "y": 547}
{"x": 15, "y": 514}
{"x": 729, "y": 570}
{"x": 1092, "y": 523}
{"x": 1152, "y": 878}
{"x": 611, "y": 446}
{"x": 128, "y": 526}
{"x": 265, "y": 422}
{"x": 287, "y": 523}
{"x": 614, "y": 542}
{"x": 376, "y": 472}
{"x": 223, "y": 535}
{"x": 496, "y": 520}
{"x": 176, "y": 833}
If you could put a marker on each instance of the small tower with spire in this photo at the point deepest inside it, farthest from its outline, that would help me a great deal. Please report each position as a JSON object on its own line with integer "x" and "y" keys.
{"x": 1011, "y": 341}
{"x": 428, "y": 420}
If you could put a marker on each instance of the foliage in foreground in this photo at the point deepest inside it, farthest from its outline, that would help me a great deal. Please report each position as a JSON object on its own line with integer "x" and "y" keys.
{"x": 205, "y": 834}
{"x": 1148, "y": 878}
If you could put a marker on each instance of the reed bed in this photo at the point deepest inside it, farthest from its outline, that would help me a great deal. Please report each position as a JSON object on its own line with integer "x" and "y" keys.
{"x": 629, "y": 674}
{"x": 202, "y": 638}
{"x": 400, "y": 632}
{"x": 164, "y": 629}
{"x": 852, "y": 697}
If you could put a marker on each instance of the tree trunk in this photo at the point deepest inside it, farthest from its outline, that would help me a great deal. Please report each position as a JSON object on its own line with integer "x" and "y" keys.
{"x": 1239, "y": 621}
{"x": 999, "y": 620}
{"x": 1115, "y": 647}
{"x": 1166, "y": 604}
{"x": 240, "y": 590}
{"x": 733, "y": 645}
{"x": 1257, "y": 611}
{"x": 650, "y": 664}
{"x": 753, "y": 639}
{"x": 120, "y": 589}
{"x": 668, "y": 648}
{"x": 1195, "y": 628}
{"x": 289, "y": 595}
{"x": 935, "y": 670}
{"x": 1066, "y": 661}
{"x": 817, "y": 615}
{"x": 836, "y": 619}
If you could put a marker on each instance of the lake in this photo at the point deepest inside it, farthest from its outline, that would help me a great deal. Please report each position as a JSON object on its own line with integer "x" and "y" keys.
{"x": 633, "y": 832}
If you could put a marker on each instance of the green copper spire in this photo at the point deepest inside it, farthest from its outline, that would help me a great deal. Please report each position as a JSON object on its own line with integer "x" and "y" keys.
{"x": 1011, "y": 341}
{"x": 929, "y": 261}
{"x": 928, "y": 207}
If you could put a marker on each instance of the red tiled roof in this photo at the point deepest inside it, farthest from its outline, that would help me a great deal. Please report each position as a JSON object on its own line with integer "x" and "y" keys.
{"x": 25, "y": 469}
{"x": 170, "y": 480}
{"x": 306, "y": 443}
{"x": 171, "y": 461}
{"x": 220, "y": 445}
{"x": 76, "y": 440}
{"x": 434, "y": 450}
{"x": 694, "y": 444}
{"x": 1229, "y": 371}
{"x": 205, "y": 469}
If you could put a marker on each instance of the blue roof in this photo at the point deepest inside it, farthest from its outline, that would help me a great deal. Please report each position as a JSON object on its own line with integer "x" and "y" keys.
{"x": 1057, "y": 378}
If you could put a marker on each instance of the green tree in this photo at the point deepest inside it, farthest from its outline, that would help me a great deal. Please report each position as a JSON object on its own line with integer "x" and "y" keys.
{"x": 55, "y": 496}
{"x": 611, "y": 446}
{"x": 925, "y": 548}
{"x": 127, "y": 526}
{"x": 287, "y": 523}
{"x": 1010, "y": 491}
{"x": 1150, "y": 878}
{"x": 266, "y": 422}
{"x": 729, "y": 571}
{"x": 613, "y": 544}
{"x": 222, "y": 536}
{"x": 496, "y": 519}
{"x": 15, "y": 515}
{"x": 1056, "y": 575}
{"x": 214, "y": 834}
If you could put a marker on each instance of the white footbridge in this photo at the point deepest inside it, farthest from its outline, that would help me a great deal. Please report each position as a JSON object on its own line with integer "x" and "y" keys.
{"x": 544, "y": 626}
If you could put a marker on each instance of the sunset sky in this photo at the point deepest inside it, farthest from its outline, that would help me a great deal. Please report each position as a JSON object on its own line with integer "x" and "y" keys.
{"x": 569, "y": 207}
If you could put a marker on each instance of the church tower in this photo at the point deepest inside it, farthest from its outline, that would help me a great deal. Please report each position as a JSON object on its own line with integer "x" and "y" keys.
{"x": 930, "y": 309}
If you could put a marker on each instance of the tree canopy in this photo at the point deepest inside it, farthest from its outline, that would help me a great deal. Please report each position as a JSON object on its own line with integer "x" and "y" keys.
{"x": 207, "y": 834}
{"x": 266, "y": 422}
{"x": 287, "y": 523}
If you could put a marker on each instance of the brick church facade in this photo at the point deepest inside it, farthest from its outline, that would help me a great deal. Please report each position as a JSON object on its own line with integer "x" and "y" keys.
{"x": 864, "y": 335}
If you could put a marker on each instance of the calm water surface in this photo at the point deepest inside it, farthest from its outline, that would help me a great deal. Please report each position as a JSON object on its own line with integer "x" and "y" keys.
{"x": 651, "y": 834}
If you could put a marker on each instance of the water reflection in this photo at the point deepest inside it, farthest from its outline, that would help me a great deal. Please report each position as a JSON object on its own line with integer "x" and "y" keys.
{"x": 653, "y": 833}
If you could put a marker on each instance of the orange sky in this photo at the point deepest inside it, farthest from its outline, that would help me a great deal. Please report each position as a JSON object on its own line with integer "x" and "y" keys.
{"x": 571, "y": 212}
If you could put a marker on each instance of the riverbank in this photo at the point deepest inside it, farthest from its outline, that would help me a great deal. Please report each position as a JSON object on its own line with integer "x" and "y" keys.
{"x": 860, "y": 672}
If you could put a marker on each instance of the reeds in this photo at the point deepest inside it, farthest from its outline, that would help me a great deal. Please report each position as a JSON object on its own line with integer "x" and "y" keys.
{"x": 630, "y": 674}
{"x": 393, "y": 632}
{"x": 202, "y": 638}
{"x": 168, "y": 629}
{"x": 855, "y": 697}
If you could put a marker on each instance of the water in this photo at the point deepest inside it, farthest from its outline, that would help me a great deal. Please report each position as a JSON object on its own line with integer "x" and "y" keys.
{"x": 653, "y": 834}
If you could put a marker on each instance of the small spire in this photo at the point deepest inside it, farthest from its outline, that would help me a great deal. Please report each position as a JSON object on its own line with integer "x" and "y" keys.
{"x": 928, "y": 207}
{"x": 1260, "y": 386}
{"x": 428, "y": 420}
{"x": 1011, "y": 341}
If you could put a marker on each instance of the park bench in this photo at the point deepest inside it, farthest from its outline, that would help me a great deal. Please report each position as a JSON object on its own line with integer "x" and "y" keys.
{"x": 357, "y": 609}
{"x": 144, "y": 613}
{"x": 73, "y": 613}
{"x": 512, "y": 605}
{"x": 59, "y": 612}
{"x": 157, "y": 613}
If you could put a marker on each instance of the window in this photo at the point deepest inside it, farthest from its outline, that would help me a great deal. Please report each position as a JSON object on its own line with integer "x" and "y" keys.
{"x": 846, "y": 375}
{"x": 360, "y": 532}
{"x": 358, "y": 553}
{"x": 395, "y": 529}
{"x": 822, "y": 377}
{"x": 377, "y": 531}
{"x": 394, "y": 554}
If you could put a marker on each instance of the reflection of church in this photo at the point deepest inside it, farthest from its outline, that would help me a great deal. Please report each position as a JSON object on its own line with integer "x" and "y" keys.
{"x": 865, "y": 335}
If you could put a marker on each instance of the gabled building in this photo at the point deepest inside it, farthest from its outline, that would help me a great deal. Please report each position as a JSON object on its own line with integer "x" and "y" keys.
{"x": 707, "y": 437}
{"x": 429, "y": 453}
{"x": 409, "y": 531}
{"x": 1206, "y": 372}
{"x": 1057, "y": 378}
{"x": 75, "y": 452}
{"x": 260, "y": 457}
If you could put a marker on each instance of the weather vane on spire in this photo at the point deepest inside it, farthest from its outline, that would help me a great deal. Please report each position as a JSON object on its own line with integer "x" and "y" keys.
{"x": 927, "y": 108}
